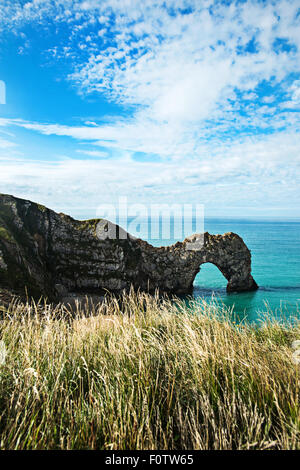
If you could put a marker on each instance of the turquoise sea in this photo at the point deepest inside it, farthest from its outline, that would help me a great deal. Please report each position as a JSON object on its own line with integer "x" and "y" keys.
{"x": 275, "y": 249}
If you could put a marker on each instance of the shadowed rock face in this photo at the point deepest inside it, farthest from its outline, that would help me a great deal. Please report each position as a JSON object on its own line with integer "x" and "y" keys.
{"x": 52, "y": 254}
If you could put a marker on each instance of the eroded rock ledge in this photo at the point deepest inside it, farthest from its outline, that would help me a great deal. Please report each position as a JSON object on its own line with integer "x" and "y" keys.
{"x": 53, "y": 254}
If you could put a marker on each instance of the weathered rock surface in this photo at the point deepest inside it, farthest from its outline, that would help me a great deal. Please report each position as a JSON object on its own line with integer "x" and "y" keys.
{"x": 52, "y": 254}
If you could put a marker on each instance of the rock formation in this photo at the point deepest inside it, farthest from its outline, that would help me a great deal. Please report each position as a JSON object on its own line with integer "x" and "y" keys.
{"x": 52, "y": 254}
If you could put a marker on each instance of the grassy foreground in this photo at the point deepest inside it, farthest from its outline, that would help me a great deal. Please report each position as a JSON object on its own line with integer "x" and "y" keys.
{"x": 145, "y": 373}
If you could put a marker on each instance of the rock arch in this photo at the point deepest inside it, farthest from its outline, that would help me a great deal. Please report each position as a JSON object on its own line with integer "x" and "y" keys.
{"x": 52, "y": 254}
{"x": 174, "y": 268}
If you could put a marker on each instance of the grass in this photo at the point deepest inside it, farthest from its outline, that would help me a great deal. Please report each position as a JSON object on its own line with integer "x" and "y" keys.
{"x": 143, "y": 372}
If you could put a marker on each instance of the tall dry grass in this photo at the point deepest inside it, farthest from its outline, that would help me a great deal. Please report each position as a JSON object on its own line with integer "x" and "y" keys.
{"x": 145, "y": 373}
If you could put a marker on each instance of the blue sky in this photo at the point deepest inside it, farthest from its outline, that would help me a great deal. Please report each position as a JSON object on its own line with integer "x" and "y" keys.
{"x": 160, "y": 101}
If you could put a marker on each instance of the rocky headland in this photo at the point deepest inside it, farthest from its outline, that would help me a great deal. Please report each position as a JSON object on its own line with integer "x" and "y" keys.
{"x": 53, "y": 255}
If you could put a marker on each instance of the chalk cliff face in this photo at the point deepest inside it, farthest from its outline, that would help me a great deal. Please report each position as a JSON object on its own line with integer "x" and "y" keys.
{"x": 52, "y": 254}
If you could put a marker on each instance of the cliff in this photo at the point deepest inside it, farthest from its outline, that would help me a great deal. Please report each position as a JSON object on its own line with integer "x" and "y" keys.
{"x": 52, "y": 254}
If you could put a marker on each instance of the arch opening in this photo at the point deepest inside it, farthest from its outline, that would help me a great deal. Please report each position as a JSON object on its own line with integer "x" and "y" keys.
{"x": 210, "y": 278}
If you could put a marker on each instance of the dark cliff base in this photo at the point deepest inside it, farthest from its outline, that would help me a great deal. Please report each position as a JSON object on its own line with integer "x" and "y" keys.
{"x": 50, "y": 254}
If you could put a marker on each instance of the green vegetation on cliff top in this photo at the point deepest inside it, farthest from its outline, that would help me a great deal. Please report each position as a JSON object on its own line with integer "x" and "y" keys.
{"x": 145, "y": 373}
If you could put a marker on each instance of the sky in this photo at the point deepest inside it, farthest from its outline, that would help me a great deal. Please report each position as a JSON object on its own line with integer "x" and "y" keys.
{"x": 175, "y": 101}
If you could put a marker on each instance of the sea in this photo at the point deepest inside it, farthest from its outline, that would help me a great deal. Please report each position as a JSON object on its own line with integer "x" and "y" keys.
{"x": 275, "y": 252}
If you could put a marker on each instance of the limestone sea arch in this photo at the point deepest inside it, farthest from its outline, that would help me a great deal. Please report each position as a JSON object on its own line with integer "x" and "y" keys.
{"x": 52, "y": 254}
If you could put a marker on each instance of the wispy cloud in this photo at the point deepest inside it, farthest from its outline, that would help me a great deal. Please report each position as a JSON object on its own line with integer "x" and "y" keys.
{"x": 93, "y": 153}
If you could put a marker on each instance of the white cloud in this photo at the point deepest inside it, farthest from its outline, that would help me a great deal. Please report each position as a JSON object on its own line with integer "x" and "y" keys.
{"x": 5, "y": 144}
{"x": 268, "y": 99}
{"x": 93, "y": 153}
